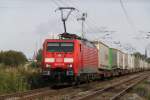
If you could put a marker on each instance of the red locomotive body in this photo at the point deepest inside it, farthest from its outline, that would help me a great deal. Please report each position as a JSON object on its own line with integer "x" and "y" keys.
{"x": 69, "y": 59}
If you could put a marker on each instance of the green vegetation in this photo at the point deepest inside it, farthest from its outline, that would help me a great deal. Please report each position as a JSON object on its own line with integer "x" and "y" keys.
{"x": 16, "y": 73}
{"x": 38, "y": 59}
{"x": 39, "y": 55}
{"x": 143, "y": 90}
{"x": 139, "y": 55}
{"x": 12, "y": 58}
{"x": 12, "y": 80}
{"x": 15, "y": 79}
{"x": 144, "y": 57}
{"x": 148, "y": 60}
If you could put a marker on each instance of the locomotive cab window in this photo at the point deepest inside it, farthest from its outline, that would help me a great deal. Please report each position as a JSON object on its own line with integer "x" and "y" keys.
{"x": 67, "y": 47}
{"x": 60, "y": 47}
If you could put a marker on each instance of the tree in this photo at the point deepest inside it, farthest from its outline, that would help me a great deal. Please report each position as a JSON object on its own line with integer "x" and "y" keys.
{"x": 39, "y": 55}
{"x": 139, "y": 55}
{"x": 12, "y": 58}
{"x": 148, "y": 60}
{"x": 37, "y": 59}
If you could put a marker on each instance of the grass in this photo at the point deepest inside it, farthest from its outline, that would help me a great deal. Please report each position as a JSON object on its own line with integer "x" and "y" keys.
{"x": 143, "y": 89}
{"x": 17, "y": 79}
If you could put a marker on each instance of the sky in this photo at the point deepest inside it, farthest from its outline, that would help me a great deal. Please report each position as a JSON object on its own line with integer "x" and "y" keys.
{"x": 25, "y": 24}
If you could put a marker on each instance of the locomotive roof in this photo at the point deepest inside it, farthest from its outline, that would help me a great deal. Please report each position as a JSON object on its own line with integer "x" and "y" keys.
{"x": 67, "y": 40}
{"x": 96, "y": 42}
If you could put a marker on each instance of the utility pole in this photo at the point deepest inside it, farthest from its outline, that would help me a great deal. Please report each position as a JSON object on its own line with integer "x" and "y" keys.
{"x": 84, "y": 16}
{"x": 146, "y": 50}
{"x": 63, "y": 18}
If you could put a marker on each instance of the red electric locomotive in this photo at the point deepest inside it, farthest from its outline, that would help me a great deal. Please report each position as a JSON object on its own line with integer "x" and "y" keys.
{"x": 69, "y": 59}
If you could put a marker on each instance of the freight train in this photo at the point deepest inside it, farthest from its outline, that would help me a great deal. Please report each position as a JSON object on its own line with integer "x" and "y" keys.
{"x": 73, "y": 59}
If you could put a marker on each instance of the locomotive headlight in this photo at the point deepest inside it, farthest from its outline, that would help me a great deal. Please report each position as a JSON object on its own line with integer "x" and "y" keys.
{"x": 48, "y": 66}
{"x": 49, "y": 60}
{"x": 70, "y": 60}
{"x": 69, "y": 65}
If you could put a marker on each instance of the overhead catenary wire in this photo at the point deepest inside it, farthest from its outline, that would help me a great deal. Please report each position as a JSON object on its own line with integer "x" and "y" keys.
{"x": 61, "y": 4}
{"x": 130, "y": 22}
{"x": 91, "y": 21}
{"x": 56, "y": 3}
{"x": 91, "y": 24}
{"x": 64, "y": 3}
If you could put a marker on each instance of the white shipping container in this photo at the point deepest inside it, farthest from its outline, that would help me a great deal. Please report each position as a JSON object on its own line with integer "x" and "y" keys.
{"x": 141, "y": 63}
{"x": 125, "y": 61}
{"x": 130, "y": 62}
{"x": 145, "y": 65}
{"x": 120, "y": 59}
{"x": 136, "y": 62}
{"x": 148, "y": 67}
{"x": 103, "y": 55}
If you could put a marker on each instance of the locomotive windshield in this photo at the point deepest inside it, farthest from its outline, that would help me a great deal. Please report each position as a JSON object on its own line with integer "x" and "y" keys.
{"x": 60, "y": 47}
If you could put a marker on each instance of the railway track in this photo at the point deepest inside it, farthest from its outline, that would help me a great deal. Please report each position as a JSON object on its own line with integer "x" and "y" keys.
{"x": 36, "y": 93}
{"x": 114, "y": 90}
{"x": 80, "y": 93}
{"x": 28, "y": 94}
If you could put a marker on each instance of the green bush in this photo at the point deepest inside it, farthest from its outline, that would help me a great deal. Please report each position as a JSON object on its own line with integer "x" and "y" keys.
{"x": 15, "y": 79}
{"x": 11, "y": 80}
{"x": 12, "y": 58}
{"x": 141, "y": 90}
{"x": 39, "y": 55}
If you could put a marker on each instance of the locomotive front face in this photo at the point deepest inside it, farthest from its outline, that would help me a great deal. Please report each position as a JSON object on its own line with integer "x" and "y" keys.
{"x": 58, "y": 58}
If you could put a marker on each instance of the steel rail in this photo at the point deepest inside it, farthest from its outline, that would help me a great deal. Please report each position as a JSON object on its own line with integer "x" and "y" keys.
{"x": 118, "y": 95}
{"x": 20, "y": 95}
{"x": 47, "y": 91}
{"x": 102, "y": 90}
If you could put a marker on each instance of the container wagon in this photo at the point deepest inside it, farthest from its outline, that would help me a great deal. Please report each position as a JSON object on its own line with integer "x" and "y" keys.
{"x": 120, "y": 61}
{"x": 146, "y": 65}
{"x": 103, "y": 55}
{"x": 131, "y": 63}
{"x": 125, "y": 61}
{"x": 136, "y": 64}
{"x": 113, "y": 58}
{"x": 104, "y": 67}
{"x": 142, "y": 64}
{"x": 113, "y": 61}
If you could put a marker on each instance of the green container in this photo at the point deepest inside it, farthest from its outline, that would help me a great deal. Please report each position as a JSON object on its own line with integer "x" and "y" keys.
{"x": 112, "y": 58}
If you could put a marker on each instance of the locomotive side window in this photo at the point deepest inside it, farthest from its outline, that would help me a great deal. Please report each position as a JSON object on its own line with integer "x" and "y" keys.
{"x": 60, "y": 47}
